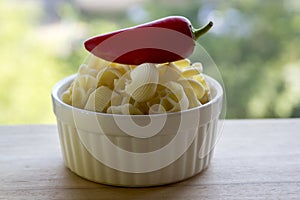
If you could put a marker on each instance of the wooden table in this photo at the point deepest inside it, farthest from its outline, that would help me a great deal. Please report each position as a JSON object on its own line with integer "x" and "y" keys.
{"x": 254, "y": 159}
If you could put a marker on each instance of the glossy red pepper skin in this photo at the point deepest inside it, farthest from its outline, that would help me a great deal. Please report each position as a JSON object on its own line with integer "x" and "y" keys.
{"x": 164, "y": 40}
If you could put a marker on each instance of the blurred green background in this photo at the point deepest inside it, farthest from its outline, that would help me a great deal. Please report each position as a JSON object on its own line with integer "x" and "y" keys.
{"x": 254, "y": 43}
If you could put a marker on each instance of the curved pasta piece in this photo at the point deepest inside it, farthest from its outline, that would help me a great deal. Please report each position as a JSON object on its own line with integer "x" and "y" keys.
{"x": 141, "y": 93}
{"x": 122, "y": 68}
{"x": 168, "y": 107}
{"x": 181, "y": 64}
{"x": 193, "y": 100}
{"x": 157, "y": 109}
{"x": 99, "y": 99}
{"x": 144, "y": 79}
{"x": 198, "y": 65}
{"x": 162, "y": 64}
{"x": 67, "y": 97}
{"x": 201, "y": 79}
{"x": 97, "y": 63}
{"x": 197, "y": 87}
{"x": 106, "y": 77}
{"x": 84, "y": 69}
{"x": 142, "y": 106}
{"x": 82, "y": 87}
{"x": 166, "y": 98}
{"x": 168, "y": 73}
{"x": 126, "y": 109}
{"x": 154, "y": 100}
{"x": 116, "y": 98}
{"x": 190, "y": 72}
{"x": 127, "y": 99}
{"x": 177, "y": 97}
{"x": 207, "y": 96}
{"x": 122, "y": 82}
{"x": 85, "y": 81}
{"x": 175, "y": 107}
{"x": 120, "y": 98}
{"x": 77, "y": 97}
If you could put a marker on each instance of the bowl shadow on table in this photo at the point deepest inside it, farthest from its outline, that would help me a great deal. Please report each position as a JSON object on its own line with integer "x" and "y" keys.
{"x": 190, "y": 188}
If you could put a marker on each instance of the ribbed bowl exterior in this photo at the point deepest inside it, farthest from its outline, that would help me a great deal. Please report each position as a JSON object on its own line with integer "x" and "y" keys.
{"x": 80, "y": 160}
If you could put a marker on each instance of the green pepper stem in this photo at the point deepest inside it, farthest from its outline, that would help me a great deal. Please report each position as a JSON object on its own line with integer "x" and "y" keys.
{"x": 198, "y": 32}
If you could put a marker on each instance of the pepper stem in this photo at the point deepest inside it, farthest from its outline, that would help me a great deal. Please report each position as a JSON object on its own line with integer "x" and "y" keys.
{"x": 201, "y": 31}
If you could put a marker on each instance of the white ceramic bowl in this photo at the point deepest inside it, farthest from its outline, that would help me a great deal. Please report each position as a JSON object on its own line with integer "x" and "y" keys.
{"x": 137, "y": 150}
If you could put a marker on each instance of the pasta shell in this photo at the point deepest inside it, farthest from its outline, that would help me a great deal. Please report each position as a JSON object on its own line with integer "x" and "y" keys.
{"x": 78, "y": 97}
{"x": 85, "y": 82}
{"x": 126, "y": 109}
{"x": 99, "y": 99}
{"x": 193, "y": 101}
{"x": 82, "y": 87}
{"x": 142, "y": 93}
{"x": 106, "y": 77}
{"x": 97, "y": 63}
{"x": 168, "y": 106}
{"x": 67, "y": 97}
{"x": 157, "y": 109}
{"x": 162, "y": 64}
{"x": 200, "y": 78}
{"x": 177, "y": 97}
{"x": 190, "y": 72}
{"x": 119, "y": 84}
{"x": 198, "y": 65}
{"x": 197, "y": 87}
{"x": 127, "y": 99}
{"x": 84, "y": 69}
{"x": 153, "y": 101}
{"x": 181, "y": 64}
{"x": 168, "y": 73}
{"x": 173, "y": 105}
{"x": 122, "y": 68}
{"x": 116, "y": 99}
{"x": 161, "y": 98}
{"x": 119, "y": 98}
{"x": 144, "y": 79}
{"x": 207, "y": 96}
{"x": 142, "y": 106}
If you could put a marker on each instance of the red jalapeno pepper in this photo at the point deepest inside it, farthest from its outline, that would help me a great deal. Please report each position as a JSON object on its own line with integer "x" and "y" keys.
{"x": 164, "y": 40}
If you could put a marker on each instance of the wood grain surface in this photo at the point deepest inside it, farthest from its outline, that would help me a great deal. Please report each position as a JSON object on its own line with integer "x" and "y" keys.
{"x": 254, "y": 159}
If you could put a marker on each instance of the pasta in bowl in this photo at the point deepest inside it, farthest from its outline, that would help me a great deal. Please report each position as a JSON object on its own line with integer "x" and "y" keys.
{"x": 144, "y": 89}
{"x": 137, "y": 126}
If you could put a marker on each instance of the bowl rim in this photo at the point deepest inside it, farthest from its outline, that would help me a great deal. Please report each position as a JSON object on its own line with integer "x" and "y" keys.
{"x": 67, "y": 81}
